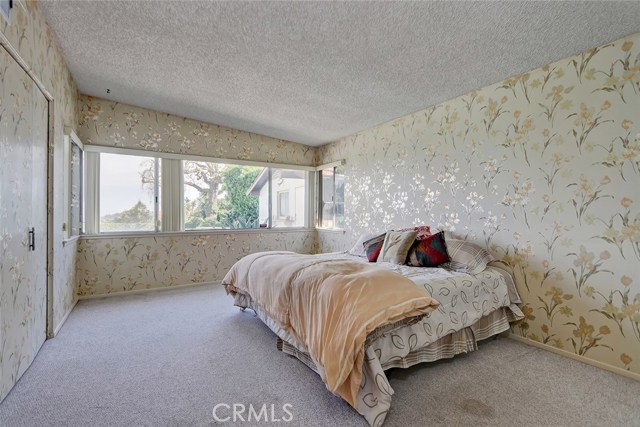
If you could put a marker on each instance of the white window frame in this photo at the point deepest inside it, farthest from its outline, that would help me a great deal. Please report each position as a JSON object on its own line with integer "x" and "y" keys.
{"x": 172, "y": 191}
{"x": 172, "y": 195}
{"x": 318, "y": 186}
{"x": 92, "y": 190}
{"x": 71, "y": 138}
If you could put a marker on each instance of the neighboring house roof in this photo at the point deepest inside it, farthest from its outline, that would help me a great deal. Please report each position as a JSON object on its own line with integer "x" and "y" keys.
{"x": 263, "y": 178}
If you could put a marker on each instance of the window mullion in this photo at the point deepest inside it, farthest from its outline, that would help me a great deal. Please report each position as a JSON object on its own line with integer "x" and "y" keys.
{"x": 179, "y": 193}
{"x": 171, "y": 195}
{"x": 156, "y": 194}
{"x": 308, "y": 198}
{"x": 81, "y": 195}
{"x": 320, "y": 199}
{"x": 93, "y": 193}
{"x": 269, "y": 220}
{"x": 333, "y": 196}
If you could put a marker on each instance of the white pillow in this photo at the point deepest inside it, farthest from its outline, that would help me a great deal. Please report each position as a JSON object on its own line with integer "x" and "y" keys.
{"x": 358, "y": 248}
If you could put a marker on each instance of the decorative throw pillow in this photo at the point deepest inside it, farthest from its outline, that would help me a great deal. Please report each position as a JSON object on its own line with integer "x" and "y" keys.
{"x": 396, "y": 246}
{"x": 429, "y": 252}
{"x": 358, "y": 248}
{"x": 373, "y": 246}
{"x": 424, "y": 231}
{"x": 467, "y": 257}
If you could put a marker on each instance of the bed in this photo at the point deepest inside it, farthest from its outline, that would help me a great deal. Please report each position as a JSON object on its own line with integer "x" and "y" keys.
{"x": 472, "y": 307}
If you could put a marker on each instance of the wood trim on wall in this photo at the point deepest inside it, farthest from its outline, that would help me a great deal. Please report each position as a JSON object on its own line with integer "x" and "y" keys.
{"x": 64, "y": 319}
{"x": 23, "y": 64}
{"x": 577, "y": 357}
{"x": 146, "y": 291}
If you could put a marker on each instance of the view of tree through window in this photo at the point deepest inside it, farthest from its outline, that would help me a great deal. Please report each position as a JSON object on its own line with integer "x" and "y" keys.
{"x": 217, "y": 196}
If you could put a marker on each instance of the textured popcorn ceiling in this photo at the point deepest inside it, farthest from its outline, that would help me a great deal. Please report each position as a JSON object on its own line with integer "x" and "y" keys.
{"x": 315, "y": 72}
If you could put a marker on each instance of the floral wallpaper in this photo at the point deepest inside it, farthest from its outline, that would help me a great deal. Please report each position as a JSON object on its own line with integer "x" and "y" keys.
{"x": 107, "y": 265}
{"x": 543, "y": 168}
{"x": 31, "y": 37}
{"x": 117, "y": 264}
{"x": 114, "y": 124}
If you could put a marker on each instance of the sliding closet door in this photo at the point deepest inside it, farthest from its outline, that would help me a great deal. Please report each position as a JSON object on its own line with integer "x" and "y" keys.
{"x": 23, "y": 185}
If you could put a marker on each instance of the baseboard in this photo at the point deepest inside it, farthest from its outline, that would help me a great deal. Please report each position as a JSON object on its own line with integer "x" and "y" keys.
{"x": 145, "y": 291}
{"x": 64, "y": 319}
{"x": 577, "y": 357}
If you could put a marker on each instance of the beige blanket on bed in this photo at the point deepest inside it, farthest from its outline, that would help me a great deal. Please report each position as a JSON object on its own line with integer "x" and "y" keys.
{"x": 328, "y": 306}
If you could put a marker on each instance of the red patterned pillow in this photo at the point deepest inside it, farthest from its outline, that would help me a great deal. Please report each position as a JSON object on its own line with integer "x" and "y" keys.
{"x": 372, "y": 247}
{"x": 424, "y": 231}
{"x": 429, "y": 252}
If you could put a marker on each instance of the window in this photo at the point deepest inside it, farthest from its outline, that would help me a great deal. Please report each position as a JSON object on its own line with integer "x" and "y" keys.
{"x": 331, "y": 197}
{"x": 221, "y": 196}
{"x": 128, "y": 193}
{"x": 73, "y": 185}
{"x": 144, "y": 192}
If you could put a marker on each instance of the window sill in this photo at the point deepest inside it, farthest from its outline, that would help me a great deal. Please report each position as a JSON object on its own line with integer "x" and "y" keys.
{"x": 332, "y": 230}
{"x": 125, "y": 235}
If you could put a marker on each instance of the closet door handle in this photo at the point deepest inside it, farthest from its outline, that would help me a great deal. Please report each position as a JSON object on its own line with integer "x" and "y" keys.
{"x": 32, "y": 239}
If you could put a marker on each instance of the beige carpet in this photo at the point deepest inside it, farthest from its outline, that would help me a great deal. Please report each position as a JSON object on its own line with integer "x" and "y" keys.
{"x": 167, "y": 358}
